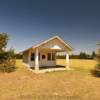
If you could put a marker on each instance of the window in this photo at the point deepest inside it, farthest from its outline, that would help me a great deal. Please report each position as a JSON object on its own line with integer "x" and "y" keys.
{"x": 43, "y": 56}
{"x": 32, "y": 56}
{"x": 53, "y": 56}
{"x": 49, "y": 56}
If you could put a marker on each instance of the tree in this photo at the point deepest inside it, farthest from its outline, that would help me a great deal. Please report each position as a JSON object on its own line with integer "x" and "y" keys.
{"x": 7, "y": 59}
{"x": 93, "y": 55}
{"x": 83, "y": 55}
{"x": 18, "y": 56}
{"x": 3, "y": 41}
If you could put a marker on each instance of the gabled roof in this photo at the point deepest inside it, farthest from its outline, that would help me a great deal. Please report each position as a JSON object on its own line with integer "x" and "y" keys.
{"x": 50, "y": 39}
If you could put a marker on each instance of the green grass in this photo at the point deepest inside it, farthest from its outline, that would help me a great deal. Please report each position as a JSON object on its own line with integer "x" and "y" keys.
{"x": 79, "y": 84}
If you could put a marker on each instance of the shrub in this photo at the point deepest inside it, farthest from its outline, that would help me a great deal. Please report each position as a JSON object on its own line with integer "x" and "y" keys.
{"x": 97, "y": 68}
{"x": 8, "y": 66}
{"x": 8, "y": 62}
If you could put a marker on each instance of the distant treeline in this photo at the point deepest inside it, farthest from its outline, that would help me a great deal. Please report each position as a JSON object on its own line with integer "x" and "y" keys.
{"x": 82, "y": 55}
{"x": 18, "y": 56}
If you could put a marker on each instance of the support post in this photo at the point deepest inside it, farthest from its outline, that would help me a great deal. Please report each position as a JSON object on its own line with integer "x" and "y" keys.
{"x": 36, "y": 59}
{"x": 67, "y": 60}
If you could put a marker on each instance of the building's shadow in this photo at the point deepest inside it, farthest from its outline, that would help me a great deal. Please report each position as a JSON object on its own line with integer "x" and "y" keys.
{"x": 49, "y": 67}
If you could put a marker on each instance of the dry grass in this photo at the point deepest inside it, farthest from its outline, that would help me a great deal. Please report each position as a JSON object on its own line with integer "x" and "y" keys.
{"x": 65, "y": 85}
{"x": 77, "y": 63}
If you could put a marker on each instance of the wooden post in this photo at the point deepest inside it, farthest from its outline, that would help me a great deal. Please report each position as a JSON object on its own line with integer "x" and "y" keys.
{"x": 67, "y": 60}
{"x": 36, "y": 59}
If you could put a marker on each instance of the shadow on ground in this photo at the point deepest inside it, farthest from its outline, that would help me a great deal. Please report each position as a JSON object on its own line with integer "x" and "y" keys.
{"x": 49, "y": 67}
{"x": 95, "y": 73}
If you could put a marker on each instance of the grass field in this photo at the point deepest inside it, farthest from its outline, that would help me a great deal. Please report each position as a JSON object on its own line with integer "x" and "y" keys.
{"x": 78, "y": 84}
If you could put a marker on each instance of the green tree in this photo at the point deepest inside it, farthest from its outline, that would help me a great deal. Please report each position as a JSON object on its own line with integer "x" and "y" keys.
{"x": 83, "y": 55}
{"x": 93, "y": 55}
{"x": 7, "y": 59}
{"x": 19, "y": 56}
{"x": 3, "y": 41}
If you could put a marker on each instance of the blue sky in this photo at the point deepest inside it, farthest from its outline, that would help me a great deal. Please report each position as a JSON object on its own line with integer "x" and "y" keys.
{"x": 31, "y": 21}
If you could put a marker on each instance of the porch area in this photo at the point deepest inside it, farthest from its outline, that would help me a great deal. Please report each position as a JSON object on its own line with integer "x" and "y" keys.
{"x": 45, "y": 60}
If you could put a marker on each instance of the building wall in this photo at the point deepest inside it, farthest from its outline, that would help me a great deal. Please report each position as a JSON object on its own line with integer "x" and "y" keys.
{"x": 46, "y": 62}
{"x": 25, "y": 57}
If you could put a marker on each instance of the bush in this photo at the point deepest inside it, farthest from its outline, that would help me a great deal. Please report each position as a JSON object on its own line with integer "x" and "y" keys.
{"x": 8, "y": 66}
{"x": 97, "y": 68}
{"x": 8, "y": 62}
{"x": 96, "y": 71}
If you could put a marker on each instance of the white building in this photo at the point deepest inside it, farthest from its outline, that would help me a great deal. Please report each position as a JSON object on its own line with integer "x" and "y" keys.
{"x": 44, "y": 54}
